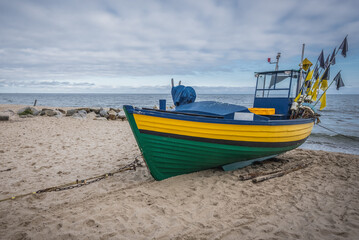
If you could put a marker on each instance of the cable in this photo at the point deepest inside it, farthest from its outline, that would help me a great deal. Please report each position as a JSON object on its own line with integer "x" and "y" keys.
{"x": 78, "y": 183}
{"x": 337, "y": 133}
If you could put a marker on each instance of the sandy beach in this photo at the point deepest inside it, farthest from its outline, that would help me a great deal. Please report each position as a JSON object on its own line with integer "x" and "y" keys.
{"x": 320, "y": 201}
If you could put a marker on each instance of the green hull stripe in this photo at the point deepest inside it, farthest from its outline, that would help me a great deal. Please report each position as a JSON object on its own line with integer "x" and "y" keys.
{"x": 225, "y": 142}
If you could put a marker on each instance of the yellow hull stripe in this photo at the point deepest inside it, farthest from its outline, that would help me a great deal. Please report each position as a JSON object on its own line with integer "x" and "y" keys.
{"x": 250, "y": 133}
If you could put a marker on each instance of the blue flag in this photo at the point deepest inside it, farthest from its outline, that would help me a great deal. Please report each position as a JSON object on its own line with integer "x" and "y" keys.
{"x": 339, "y": 81}
{"x": 321, "y": 60}
{"x": 326, "y": 74}
{"x": 326, "y": 64}
{"x": 344, "y": 47}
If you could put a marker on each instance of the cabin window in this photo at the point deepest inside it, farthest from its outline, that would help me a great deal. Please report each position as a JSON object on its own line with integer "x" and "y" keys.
{"x": 283, "y": 80}
{"x": 277, "y": 84}
{"x": 264, "y": 81}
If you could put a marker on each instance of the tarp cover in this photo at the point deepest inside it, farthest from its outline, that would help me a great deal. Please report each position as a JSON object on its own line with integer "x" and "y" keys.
{"x": 183, "y": 95}
{"x": 211, "y": 108}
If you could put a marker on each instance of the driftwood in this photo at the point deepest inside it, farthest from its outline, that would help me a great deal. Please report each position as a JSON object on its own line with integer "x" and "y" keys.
{"x": 4, "y": 118}
{"x": 256, "y": 174}
{"x": 262, "y": 176}
{"x": 279, "y": 174}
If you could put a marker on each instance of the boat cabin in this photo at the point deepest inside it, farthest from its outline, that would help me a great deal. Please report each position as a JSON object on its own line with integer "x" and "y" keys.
{"x": 276, "y": 89}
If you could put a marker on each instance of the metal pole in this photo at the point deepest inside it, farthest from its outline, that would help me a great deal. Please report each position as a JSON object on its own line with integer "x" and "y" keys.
{"x": 301, "y": 70}
{"x": 276, "y": 65}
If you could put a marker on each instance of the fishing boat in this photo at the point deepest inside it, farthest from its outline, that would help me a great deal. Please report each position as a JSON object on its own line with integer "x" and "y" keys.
{"x": 201, "y": 135}
{"x": 194, "y": 136}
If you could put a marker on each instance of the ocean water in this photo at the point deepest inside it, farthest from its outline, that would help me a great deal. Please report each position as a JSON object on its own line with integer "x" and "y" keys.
{"x": 337, "y": 132}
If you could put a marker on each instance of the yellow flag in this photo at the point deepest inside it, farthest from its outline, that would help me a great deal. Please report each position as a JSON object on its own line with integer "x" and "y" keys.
{"x": 324, "y": 84}
{"x": 323, "y": 101}
{"x": 315, "y": 90}
{"x": 306, "y": 64}
{"x": 309, "y": 92}
{"x": 316, "y": 84}
{"x": 309, "y": 76}
{"x": 296, "y": 99}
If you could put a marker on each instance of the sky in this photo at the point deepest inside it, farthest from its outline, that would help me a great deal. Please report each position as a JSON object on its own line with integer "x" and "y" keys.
{"x": 138, "y": 46}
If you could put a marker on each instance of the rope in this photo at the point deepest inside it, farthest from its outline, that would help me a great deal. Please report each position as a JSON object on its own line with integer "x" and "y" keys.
{"x": 336, "y": 132}
{"x": 79, "y": 183}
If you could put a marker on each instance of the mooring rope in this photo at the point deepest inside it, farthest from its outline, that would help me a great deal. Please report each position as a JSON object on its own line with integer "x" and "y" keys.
{"x": 79, "y": 183}
{"x": 336, "y": 132}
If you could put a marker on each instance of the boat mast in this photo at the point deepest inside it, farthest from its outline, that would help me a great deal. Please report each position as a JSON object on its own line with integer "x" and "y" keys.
{"x": 276, "y": 65}
{"x": 301, "y": 70}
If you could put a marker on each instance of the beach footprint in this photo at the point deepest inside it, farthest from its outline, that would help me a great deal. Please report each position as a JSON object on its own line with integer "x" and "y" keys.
{"x": 90, "y": 223}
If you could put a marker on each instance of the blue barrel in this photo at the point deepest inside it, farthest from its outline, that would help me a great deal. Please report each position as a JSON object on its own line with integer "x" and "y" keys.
{"x": 163, "y": 104}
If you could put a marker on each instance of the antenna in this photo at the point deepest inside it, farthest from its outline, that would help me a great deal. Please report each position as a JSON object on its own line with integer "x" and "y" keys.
{"x": 276, "y": 63}
{"x": 276, "y": 66}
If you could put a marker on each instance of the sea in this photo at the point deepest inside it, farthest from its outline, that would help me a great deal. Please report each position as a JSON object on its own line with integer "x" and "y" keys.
{"x": 337, "y": 132}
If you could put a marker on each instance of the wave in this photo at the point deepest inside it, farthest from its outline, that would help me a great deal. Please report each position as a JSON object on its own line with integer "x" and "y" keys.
{"x": 340, "y": 137}
{"x": 333, "y": 143}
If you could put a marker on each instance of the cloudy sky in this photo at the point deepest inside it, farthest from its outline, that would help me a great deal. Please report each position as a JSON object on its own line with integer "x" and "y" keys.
{"x": 138, "y": 46}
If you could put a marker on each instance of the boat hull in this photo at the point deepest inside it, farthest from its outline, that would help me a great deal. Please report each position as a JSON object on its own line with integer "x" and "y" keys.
{"x": 174, "y": 144}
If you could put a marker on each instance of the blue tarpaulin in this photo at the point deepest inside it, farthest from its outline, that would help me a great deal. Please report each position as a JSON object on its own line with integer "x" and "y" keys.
{"x": 183, "y": 95}
{"x": 211, "y": 108}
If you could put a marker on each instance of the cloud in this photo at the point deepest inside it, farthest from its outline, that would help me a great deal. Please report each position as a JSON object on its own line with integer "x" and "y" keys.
{"x": 72, "y": 41}
{"x": 45, "y": 84}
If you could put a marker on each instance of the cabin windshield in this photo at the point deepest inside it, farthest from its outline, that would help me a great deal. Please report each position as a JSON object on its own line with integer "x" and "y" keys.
{"x": 281, "y": 84}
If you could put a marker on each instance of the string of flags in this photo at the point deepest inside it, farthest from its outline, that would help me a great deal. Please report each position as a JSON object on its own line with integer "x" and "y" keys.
{"x": 315, "y": 81}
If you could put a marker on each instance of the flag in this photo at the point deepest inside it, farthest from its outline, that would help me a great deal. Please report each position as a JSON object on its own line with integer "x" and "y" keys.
{"x": 344, "y": 47}
{"x": 326, "y": 74}
{"x": 309, "y": 92}
{"x": 309, "y": 75}
{"x": 323, "y": 101}
{"x": 306, "y": 64}
{"x": 321, "y": 59}
{"x": 315, "y": 90}
{"x": 306, "y": 75}
{"x": 332, "y": 59}
{"x": 324, "y": 85}
{"x": 316, "y": 72}
{"x": 308, "y": 85}
{"x": 316, "y": 84}
{"x": 297, "y": 98}
{"x": 326, "y": 64}
{"x": 339, "y": 81}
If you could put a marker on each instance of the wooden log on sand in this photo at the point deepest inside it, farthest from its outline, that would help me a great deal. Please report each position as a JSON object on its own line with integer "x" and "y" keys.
{"x": 279, "y": 174}
{"x": 4, "y": 118}
{"x": 257, "y": 174}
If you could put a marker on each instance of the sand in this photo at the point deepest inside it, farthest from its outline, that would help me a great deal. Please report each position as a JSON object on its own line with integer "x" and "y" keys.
{"x": 317, "y": 202}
